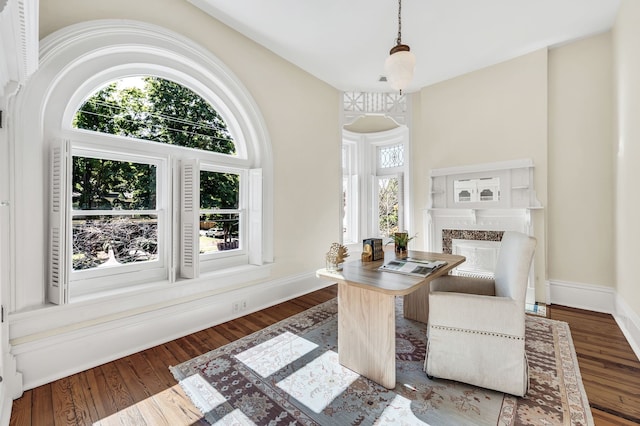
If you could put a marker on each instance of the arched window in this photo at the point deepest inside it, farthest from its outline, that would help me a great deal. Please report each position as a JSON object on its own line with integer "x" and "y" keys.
{"x": 158, "y": 110}
{"x": 160, "y": 169}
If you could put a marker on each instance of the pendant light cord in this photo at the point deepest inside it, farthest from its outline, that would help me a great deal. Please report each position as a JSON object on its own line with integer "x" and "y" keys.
{"x": 399, "y": 40}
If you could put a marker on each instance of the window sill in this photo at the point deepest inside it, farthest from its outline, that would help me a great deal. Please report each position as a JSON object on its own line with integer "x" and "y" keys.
{"x": 49, "y": 320}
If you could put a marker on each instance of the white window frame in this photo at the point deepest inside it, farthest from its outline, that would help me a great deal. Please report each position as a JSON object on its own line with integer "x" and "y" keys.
{"x": 96, "y": 279}
{"x": 364, "y": 148}
{"x": 350, "y": 189}
{"x": 213, "y": 260}
{"x": 77, "y": 61}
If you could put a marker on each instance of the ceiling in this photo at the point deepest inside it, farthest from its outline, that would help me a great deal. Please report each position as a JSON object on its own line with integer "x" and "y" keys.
{"x": 345, "y": 42}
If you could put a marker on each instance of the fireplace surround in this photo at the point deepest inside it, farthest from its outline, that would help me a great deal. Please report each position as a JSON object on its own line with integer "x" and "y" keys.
{"x": 473, "y": 224}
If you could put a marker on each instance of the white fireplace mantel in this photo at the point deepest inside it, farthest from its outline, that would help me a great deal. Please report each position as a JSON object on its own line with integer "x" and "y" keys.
{"x": 513, "y": 181}
{"x": 475, "y": 220}
{"x": 482, "y": 197}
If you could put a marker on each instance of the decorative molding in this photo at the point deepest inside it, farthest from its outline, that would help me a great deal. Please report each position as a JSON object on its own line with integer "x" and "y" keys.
{"x": 18, "y": 42}
{"x": 392, "y": 105}
{"x": 53, "y": 357}
{"x": 475, "y": 168}
{"x": 512, "y": 179}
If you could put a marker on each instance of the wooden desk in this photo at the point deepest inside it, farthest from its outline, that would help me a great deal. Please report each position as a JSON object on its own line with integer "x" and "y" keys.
{"x": 366, "y": 312}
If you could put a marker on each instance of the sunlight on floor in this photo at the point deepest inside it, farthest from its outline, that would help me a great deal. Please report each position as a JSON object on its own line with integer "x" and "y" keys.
{"x": 319, "y": 382}
{"x": 276, "y": 353}
{"x": 235, "y": 418}
{"x": 154, "y": 407}
{"x": 399, "y": 413}
{"x": 316, "y": 384}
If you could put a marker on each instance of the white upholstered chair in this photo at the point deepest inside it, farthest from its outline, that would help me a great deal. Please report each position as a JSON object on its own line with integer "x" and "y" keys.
{"x": 476, "y": 330}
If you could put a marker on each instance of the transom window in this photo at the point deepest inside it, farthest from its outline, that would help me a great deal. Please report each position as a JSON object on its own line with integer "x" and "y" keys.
{"x": 391, "y": 156}
{"x": 156, "y": 109}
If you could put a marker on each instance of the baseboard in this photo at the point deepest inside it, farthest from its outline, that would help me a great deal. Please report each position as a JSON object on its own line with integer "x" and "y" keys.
{"x": 598, "y": 299}
{"x": 629, "y": 323}
{"x": 53, "y": 357}
{"x": 582, "y": 296}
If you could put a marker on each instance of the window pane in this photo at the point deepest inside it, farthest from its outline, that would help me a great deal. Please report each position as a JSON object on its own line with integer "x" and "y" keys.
{"x": 388, "y": 206}
{"x": 155, "y": 109}
{"x": 219, "y": 190}
{"x": 102, "y": 241}
{"x": 100, "y": 184}
{"x": 219, "y": 232}
{"x": 391, "y": 156}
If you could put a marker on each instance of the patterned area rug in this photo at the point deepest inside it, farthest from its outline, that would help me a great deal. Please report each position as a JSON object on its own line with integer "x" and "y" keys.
{"x": 289, "y": 374}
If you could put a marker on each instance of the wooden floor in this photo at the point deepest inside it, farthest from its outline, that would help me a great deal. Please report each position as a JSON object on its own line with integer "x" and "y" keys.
{"x": 610, "y": 370}
{"x": 140, "y": 390}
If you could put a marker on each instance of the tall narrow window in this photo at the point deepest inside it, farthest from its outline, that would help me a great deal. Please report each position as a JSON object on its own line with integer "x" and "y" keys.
{"x": 390, "y": 161}
{"x": 389, "y": 205}
{"x": 374, "y": 174}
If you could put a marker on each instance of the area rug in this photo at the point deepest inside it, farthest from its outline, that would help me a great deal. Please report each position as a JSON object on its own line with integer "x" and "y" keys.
{"x": 289, "y": 374}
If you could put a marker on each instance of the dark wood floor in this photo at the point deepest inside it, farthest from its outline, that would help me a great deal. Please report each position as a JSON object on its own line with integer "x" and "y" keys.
{"x": 140, "y": 390}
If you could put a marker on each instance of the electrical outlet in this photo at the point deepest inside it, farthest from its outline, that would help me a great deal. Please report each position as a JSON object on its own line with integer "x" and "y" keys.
{"x": 238, "y": 306}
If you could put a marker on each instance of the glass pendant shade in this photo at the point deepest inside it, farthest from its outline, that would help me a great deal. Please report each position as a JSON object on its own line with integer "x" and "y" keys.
{"x": 399, "y": 67}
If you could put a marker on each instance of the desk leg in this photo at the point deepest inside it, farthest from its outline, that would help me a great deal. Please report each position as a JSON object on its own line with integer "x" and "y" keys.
{"x": 367, "y": 333}
{"x": 416, "y": 305}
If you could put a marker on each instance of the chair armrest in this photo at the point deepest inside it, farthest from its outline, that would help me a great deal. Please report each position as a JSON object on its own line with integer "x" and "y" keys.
{"x": 476, "y": 313}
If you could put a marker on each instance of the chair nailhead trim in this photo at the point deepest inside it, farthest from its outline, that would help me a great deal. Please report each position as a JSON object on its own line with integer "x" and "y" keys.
{"x": 483, "y": 333}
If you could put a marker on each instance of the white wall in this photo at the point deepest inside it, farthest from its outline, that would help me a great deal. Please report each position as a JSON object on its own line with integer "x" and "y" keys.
{"x": 626, "y": 45}
{"x": 581, "y": 166}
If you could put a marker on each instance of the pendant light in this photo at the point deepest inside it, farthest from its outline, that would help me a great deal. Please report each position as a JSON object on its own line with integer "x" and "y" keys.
{"x": 401, "y": 62}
